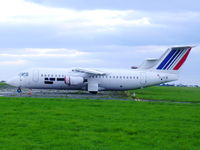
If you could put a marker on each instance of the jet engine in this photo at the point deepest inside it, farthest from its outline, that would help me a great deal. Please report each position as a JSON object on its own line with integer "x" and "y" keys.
{"x": 71, "y": 80}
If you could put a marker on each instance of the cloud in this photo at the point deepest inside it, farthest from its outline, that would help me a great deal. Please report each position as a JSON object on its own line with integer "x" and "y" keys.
{"x": 24, "y": 12}
{"x": 39, "y": 52}
{"x": 27, "y": 24}
{"x": 60, "y": 57}
{"x": 146, "y": 5}
{"x": 27, "y": 12}
{"x": 11, "y": 63}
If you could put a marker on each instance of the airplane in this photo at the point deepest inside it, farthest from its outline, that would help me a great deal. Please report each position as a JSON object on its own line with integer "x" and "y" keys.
{"x": 150, "y": 72}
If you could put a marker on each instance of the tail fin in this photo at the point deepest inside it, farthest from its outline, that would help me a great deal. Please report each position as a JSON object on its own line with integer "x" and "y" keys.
{"x": 173, "y": 58}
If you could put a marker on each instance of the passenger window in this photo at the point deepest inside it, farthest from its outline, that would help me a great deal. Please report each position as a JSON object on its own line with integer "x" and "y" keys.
{"x": 60, "y": 79}
{"x": 52, "y": 79}
{"x": 48, "y": 82}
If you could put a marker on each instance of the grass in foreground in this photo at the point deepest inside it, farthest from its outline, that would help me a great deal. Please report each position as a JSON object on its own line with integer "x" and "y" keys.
{"x": 2, "y": 83}
{"x": 187, "y": 94}
{"x": 60, "y": 124}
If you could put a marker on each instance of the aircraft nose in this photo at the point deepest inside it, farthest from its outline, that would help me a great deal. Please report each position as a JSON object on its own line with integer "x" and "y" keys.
{"x": 14, "y": 82}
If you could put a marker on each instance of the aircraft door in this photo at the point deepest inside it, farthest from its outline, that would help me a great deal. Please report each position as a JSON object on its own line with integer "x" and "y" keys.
{"x": 143, "y": 78}
{"x": 35, "y": 75}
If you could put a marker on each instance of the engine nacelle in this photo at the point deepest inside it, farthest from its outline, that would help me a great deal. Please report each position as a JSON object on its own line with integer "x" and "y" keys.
{"x": 71, "y": 80}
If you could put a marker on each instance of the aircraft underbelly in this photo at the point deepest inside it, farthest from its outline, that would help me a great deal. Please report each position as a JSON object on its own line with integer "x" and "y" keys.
{"x": 119, "y": 85}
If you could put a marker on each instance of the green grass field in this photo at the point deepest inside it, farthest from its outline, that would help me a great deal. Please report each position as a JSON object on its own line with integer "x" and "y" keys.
{"x": 60, "y": 124}
{"x": 1, "y": 83}
{"x": 187, "y": 94}
{"x": 4, "y": 85}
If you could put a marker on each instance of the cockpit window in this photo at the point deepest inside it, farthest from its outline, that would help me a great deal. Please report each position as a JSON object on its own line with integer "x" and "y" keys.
{"x": 24, "y": 74}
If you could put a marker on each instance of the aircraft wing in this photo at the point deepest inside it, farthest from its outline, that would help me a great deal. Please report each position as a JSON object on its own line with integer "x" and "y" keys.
{"x": 89, "y": 71}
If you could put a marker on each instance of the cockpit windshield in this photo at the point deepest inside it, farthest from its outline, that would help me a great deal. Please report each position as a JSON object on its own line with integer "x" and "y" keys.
{"x": 23, "y": 74}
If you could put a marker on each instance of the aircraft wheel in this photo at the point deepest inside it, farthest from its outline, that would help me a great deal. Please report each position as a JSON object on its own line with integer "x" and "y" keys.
{"x": 19, "y": 90}
{"x": 93, "y": 92}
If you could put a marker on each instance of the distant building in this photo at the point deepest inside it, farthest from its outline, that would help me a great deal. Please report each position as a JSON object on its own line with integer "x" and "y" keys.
{"x": 167, "y": 84}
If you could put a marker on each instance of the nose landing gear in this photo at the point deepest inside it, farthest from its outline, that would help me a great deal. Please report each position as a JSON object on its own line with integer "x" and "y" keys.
{"x": 19, "y": 90}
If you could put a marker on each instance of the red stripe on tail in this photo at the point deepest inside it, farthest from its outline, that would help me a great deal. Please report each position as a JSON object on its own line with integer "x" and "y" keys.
{"x": 182, "y": 60}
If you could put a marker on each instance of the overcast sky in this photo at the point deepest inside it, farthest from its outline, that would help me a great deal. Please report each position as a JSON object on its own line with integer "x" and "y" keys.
{"x": 88, "y": 33}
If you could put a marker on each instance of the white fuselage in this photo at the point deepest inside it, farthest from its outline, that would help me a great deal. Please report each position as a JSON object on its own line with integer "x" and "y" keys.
{"x": 115, "y": 79}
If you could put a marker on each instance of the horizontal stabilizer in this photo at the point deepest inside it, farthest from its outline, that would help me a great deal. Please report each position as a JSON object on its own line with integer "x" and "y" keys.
{"x": 149, "y": 63}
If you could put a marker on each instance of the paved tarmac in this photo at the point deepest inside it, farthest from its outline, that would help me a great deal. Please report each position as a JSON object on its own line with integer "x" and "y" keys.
{"x": 8, "y": 91}
{"x": 107, "y": 95}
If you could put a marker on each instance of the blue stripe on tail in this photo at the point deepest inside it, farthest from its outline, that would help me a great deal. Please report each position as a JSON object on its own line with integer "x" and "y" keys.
{"x": 172, "y": 58}
{"x": 166, "y": 59}
{"x": 176, "y": 58}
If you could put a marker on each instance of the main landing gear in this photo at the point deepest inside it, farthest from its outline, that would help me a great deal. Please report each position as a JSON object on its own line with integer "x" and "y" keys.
{"x": 30, "y": 92}
{"x": 93, "y": 92}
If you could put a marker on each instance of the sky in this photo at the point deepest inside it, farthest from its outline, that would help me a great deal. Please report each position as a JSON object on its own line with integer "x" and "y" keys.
{"x": 96, "y": 34}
